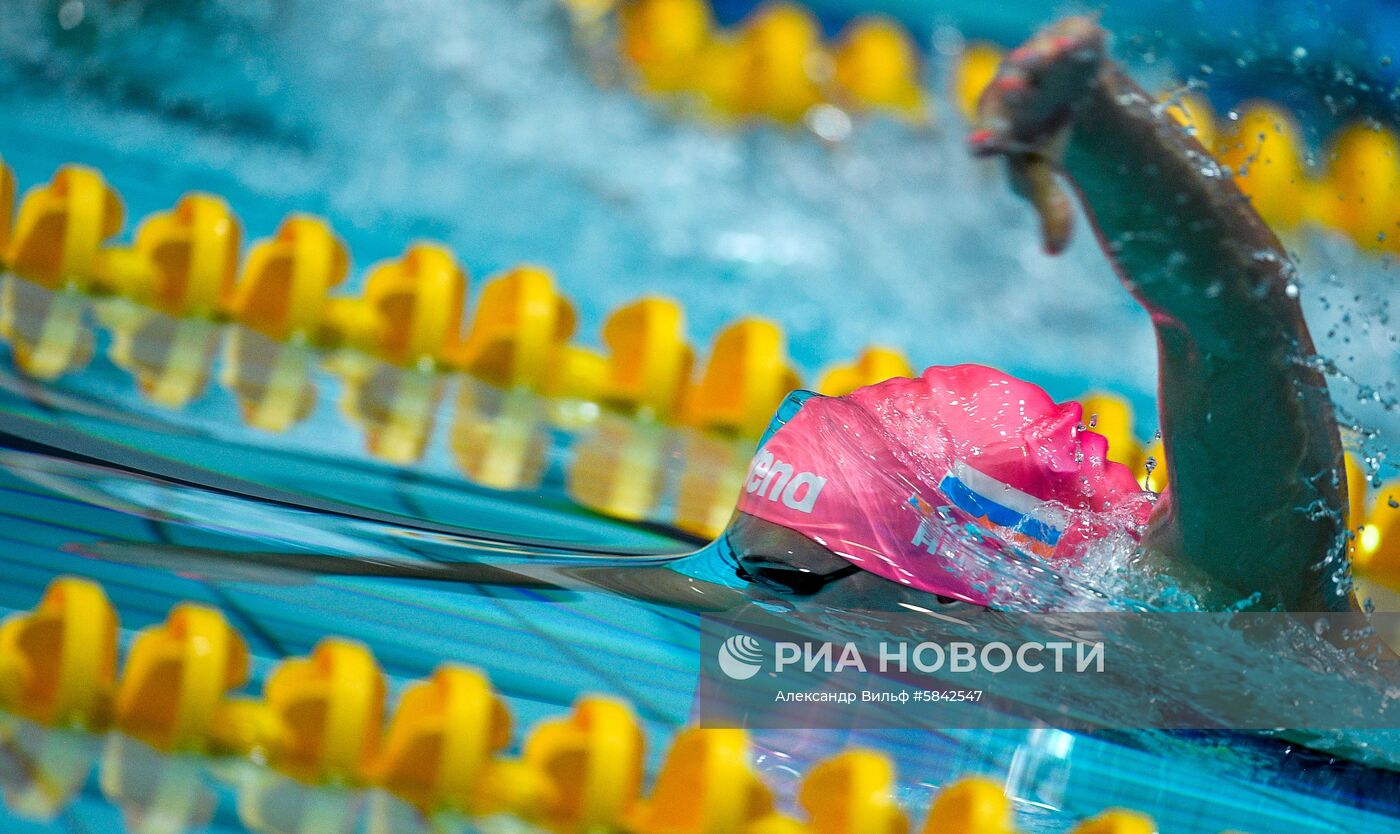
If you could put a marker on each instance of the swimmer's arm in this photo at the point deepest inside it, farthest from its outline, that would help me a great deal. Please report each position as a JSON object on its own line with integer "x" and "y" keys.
{"x": 1252, "y": 449}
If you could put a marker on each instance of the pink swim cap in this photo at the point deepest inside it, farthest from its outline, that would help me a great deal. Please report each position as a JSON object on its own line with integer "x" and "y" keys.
{"x": 860, "y": 474}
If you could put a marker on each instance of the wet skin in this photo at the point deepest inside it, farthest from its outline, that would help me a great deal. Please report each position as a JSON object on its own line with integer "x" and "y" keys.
{"x": 1257, "y": 489}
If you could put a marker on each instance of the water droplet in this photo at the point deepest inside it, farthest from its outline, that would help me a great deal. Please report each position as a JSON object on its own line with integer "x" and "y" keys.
{"x": 947, "y": 40}
{"x": 829, "y": 122}
{"x": 71, "y": 14}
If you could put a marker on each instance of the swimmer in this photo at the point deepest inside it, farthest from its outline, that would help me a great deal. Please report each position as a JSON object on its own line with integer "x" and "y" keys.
{"x": 1254, "y": 510}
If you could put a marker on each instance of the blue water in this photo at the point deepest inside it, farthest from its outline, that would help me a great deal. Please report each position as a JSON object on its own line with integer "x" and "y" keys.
{"x": 189, "y": 482}
{"x": 485, "y": 125}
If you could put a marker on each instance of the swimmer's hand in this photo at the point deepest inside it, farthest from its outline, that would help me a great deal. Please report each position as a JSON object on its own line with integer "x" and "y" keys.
{"x": 1026, "y": 113}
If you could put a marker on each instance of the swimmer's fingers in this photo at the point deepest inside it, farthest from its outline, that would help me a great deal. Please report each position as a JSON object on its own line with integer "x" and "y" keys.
{"x": 1035, "y": 178}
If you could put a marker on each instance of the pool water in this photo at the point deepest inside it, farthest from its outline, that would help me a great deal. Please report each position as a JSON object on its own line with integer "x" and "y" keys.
{"x": 484, "y": 126}
{"x": 142, "y": 495}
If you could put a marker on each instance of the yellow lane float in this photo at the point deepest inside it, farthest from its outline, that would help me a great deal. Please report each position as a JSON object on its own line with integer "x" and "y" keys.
{"x": 663, "y": 39}
{"x": 179, "y": 275}
{"x": 194, "y": 251}
{"x": 177, "y": 675}
{"x": 45, "y": 329}
{"x": 419, "y": 300}
{"x": 707, "y": 785}
{"x": 1194, "y": 113}
{"x": 875, "y": 364}
{"x": 974, "y": 70}
{"x": 594, "y": 758}
{"x": 1111, "y": 416}
{"x": 56, "y": 243}
{"x": 620, "y": 467}
{"x": 649, "y": 361}
{"x": 520, "y": 327}
{"x": 442, "y": 755}
{"x": 782, "y": 62}
{"x": 1117, "y": 821}
{"x": 281, "y": 300}
{"x": 328, "y": 708}
{"x": 747, "y": 376}
{"x": 852, "y": 793}
{"x": 1377, "y": 555}
{"x": 158, "y": 794}
{"x": 1361, "y": 197}
{"x": 56, "y": 767}
{"x": 1263, "y": 151}
{"x": 718, "y": 78}
{"x": 971, "y": 806}
{"x": 877, "y": 68}
{"x": 7, "y": 208}
{"x": 499, "y": 439}
{"x": 442, "y": 739}
{"x": 287, "y": 279}
{"x": 60, "y": 660}
{"x": 61, "y": 228}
